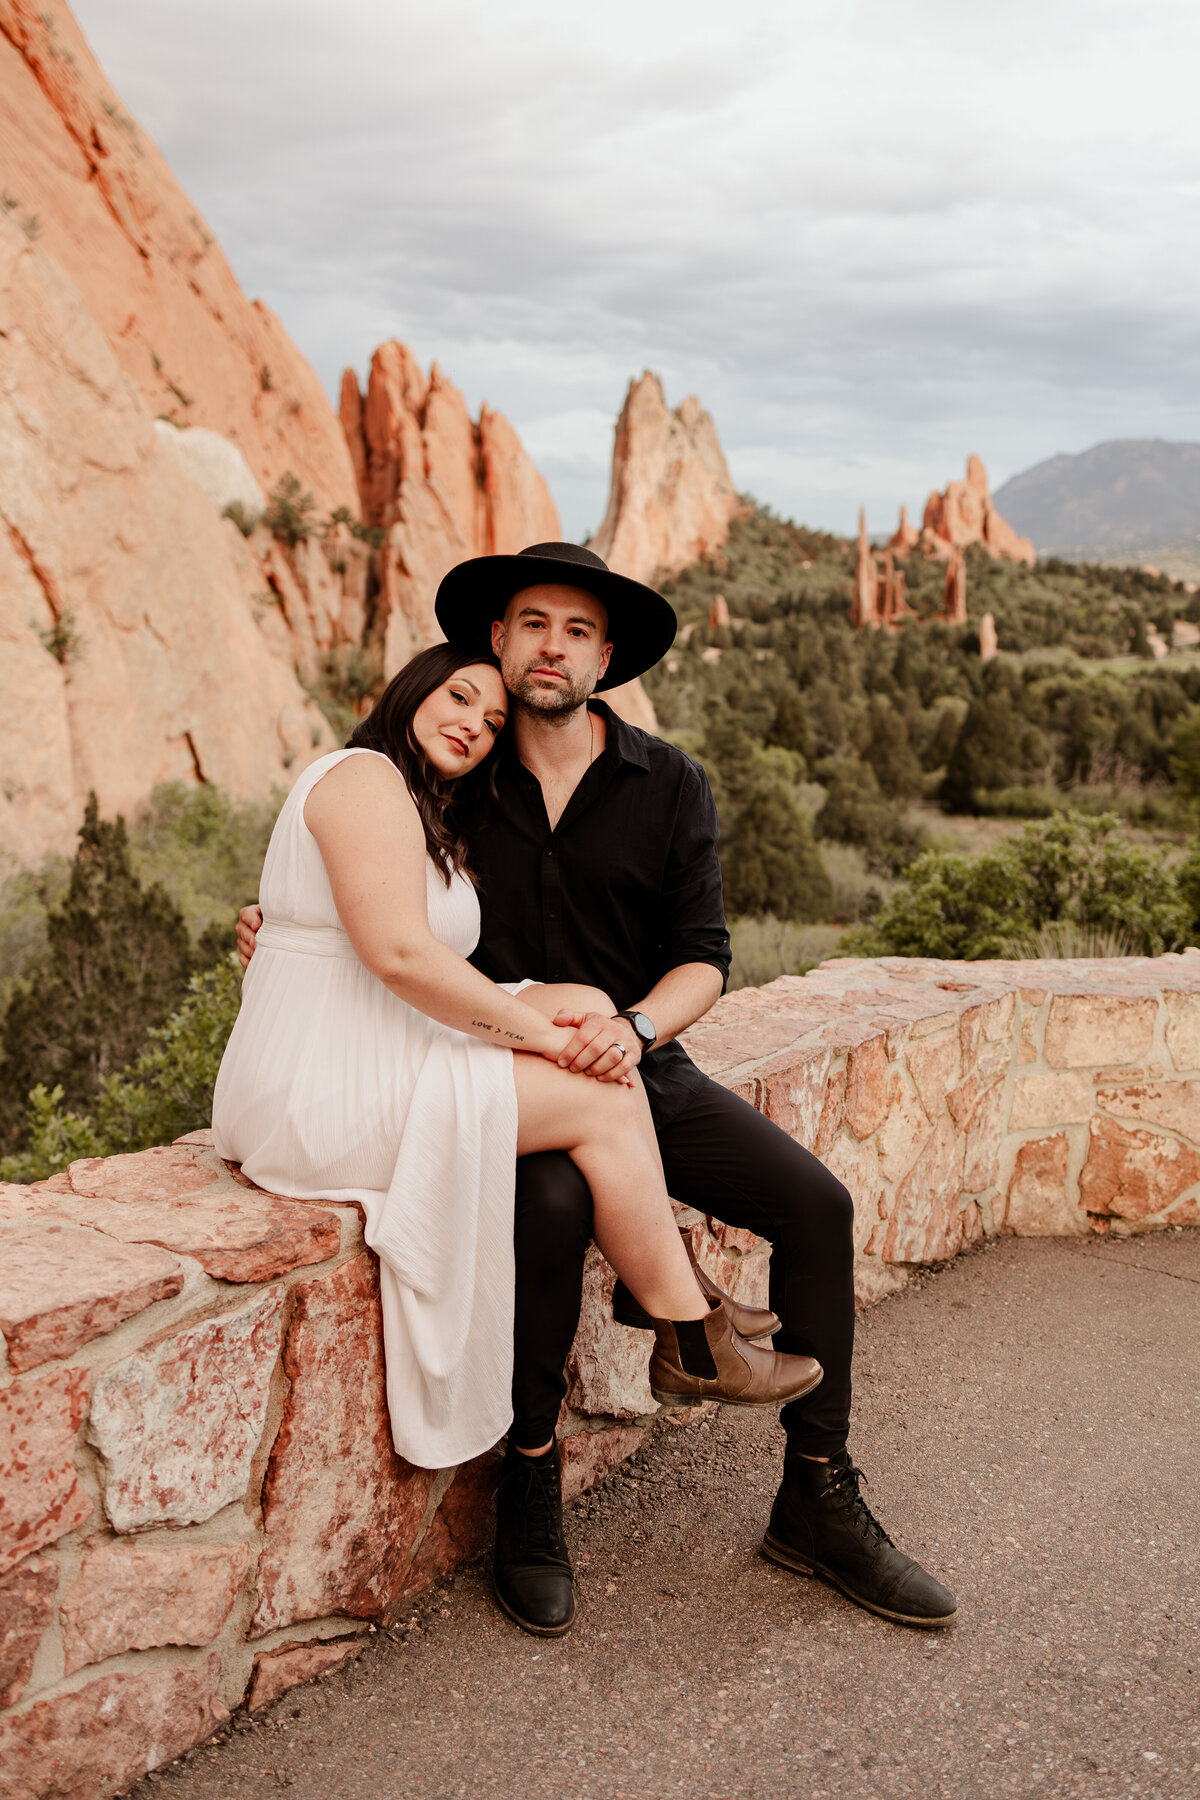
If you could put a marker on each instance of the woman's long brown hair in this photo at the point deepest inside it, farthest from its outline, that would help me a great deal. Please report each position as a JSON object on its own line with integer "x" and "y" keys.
{"x": 388, "y": 728}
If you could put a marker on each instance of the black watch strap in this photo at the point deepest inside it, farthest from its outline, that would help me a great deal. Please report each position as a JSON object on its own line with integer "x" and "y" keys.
{"x": 647, "y": 1039}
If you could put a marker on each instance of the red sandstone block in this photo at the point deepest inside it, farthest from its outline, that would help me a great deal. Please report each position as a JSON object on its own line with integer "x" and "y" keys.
{"x": 168, "y": 1197}
{"x": 340, "y": 1508}
{"x": 926, "y": 1225}
{"x": 178, "y": 1422}
{"x": 866, "y": 1086}
{"x": 165, "y": 1173}
{"x": 1038, "y": 1202}
{"x": 135, "y": 1596}
{"x": 1173, "y": 1104}
{"x": 40, "y": 1496}
{"x": 104, "y": 1736}
{"x": 1131, "y": 1174}
{"x": 234, "y": 1235}
{"x": 608, "y": 1363}
{"x": 462, "y": 1525}
{"x": 1085, "y": 1029}
{"x": 275, "y": 1671}
{"x": 60, "y": 1287}
{"x": 26, "y": 1609}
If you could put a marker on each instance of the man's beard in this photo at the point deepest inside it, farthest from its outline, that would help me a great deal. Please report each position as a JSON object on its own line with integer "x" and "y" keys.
{"x": 565, "y": 696}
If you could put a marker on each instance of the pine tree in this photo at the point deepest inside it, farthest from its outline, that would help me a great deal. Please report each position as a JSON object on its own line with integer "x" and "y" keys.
{"x": 117, "y": 963}
{"x": 790, "y": 728}
{"x": 771, "y": 864}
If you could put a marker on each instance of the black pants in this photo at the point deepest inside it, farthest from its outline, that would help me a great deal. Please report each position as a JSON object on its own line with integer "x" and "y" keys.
{"x": 723, "y": 1158}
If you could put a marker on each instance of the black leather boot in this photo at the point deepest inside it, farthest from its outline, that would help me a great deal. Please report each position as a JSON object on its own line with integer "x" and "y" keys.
{"x": 531, "y": 1571}
{"x": 821, "y": 1525}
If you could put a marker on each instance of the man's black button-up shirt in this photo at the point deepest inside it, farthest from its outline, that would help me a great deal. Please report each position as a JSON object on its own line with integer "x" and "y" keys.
{"x": 624, "y": 888}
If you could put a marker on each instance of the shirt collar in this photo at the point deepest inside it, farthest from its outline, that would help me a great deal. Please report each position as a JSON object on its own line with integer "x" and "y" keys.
{"x": 622, "y": 742}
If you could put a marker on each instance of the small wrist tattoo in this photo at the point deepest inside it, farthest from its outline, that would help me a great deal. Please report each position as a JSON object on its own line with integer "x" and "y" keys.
{"x": 514, "y": 1037}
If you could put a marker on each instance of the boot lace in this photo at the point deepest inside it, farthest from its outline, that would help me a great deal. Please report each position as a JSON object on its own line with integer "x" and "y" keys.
{"x": 844, "y": 1485}
{"x": 532, "y": 1499}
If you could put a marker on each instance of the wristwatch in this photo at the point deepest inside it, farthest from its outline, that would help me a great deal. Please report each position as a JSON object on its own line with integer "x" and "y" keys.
{"x": 644, "y": 1028}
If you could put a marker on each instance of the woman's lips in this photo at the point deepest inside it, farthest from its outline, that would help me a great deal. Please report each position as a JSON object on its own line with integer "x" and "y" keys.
{"x": 458, "y": 745}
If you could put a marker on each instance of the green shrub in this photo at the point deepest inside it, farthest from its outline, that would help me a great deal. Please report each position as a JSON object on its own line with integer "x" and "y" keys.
{"x": 117, "y": 961}
{"x": 206, "y": 851}
{"x": 291, "y": 513}
{"x": 1185, "y": 760}
{"x": 1070, "y": 870}
{"x": 164, "y": 1093}
{"x": 241, "y": 515}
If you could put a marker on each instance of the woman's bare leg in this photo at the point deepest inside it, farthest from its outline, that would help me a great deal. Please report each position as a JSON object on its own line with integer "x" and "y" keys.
{"x": 609, "y": 1134}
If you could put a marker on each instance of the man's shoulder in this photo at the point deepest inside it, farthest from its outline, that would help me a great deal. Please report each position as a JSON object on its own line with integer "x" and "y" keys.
{"x": 664, "y": 759}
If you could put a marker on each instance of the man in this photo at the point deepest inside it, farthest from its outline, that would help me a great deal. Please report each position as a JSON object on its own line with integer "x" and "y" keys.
{"x": 597, "y": 863}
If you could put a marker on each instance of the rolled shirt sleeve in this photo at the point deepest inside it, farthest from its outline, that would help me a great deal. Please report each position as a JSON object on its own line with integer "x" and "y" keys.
{"x": 692, "y": 926}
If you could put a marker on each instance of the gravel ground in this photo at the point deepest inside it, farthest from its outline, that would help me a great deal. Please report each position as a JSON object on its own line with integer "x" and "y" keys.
{"x": 1028, "y": 1420}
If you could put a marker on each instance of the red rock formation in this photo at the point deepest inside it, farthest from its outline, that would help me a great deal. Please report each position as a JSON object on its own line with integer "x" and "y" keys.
{"x": 144, "y": 638}
{"x": 108, "y": 209}
{"x": 954, "y": 605}
{"x": 988, "y": 647}
{"x": 442, "y": 487}
{"x": 879, "y": 586}
{"x": 906, "y": 537}
{"x": 138, "y": 639}
{"x": 718, "y": 613}
{"x": 965, "y": 514}
{"x": 893, "y": 606}
{"x": 865, "y": 612}
{"x": 672, "y": 497}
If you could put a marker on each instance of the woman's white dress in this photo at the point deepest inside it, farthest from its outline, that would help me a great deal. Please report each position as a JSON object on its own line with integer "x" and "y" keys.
{"x": 332, "y": 1088}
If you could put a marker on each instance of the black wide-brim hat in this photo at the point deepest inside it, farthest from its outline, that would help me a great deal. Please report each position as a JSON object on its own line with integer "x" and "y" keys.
{"x": 641, "y": 624}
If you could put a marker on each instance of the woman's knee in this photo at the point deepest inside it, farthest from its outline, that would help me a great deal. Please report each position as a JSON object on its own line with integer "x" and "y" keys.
{"x": 587, "y": 999}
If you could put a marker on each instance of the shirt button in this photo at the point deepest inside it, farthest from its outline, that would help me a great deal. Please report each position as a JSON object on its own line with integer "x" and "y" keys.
{"x": 552, "y": 915}
{"x": 549, "y": 853}
{"x": 556, "y": 974}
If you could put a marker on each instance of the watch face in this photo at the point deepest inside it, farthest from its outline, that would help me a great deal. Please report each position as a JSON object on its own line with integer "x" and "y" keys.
{"x": 644, "y": 1027}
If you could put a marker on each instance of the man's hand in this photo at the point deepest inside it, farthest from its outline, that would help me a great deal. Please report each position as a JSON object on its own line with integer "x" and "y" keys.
{"x": 249, "y": 921}
{"x": 596, "y": 1047}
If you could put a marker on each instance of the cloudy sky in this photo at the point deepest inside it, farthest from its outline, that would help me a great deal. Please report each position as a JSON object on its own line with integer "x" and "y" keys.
{"x": 872, "y": 237}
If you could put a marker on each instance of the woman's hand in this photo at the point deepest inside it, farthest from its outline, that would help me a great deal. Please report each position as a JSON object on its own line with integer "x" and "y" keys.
{"x": 610, "y": 1049}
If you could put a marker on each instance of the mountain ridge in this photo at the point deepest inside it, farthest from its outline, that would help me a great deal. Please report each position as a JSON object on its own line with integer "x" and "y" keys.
{"x": 1124, "y": 495}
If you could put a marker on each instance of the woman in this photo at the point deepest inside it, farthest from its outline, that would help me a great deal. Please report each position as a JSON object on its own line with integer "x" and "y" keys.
{"x": 370, "y": 1062}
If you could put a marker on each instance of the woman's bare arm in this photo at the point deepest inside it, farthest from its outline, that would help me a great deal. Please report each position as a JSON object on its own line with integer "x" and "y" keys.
{"x": 369, "y": 833}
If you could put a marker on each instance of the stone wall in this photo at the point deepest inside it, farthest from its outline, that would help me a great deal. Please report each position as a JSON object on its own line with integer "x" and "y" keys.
{"x": 199, "y": 1502}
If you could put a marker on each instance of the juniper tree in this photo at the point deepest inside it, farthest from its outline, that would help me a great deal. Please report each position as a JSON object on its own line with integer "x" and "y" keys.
{"x": 117, "y": 963}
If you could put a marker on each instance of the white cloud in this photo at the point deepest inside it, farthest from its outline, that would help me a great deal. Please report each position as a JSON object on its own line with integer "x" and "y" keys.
{"x": 871, "y": 238}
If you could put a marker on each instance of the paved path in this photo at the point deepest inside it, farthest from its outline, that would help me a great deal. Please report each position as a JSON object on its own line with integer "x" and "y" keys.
{"x": 1029, "y": 1419}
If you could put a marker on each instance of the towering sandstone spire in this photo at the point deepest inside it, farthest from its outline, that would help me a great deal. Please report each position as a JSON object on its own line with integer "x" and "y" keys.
{"x": 672, "y": 497}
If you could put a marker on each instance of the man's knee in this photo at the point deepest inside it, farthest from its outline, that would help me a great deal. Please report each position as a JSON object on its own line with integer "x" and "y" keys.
{"x": 552, "y": 1197}
{"x": 812, "y": 1202}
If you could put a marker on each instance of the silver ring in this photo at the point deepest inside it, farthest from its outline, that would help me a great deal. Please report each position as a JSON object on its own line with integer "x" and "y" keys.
{"x": 620, "y": 1049}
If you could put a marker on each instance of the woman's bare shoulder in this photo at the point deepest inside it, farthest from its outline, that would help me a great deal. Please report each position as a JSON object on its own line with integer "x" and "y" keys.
{"x": 368, "y": 781}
